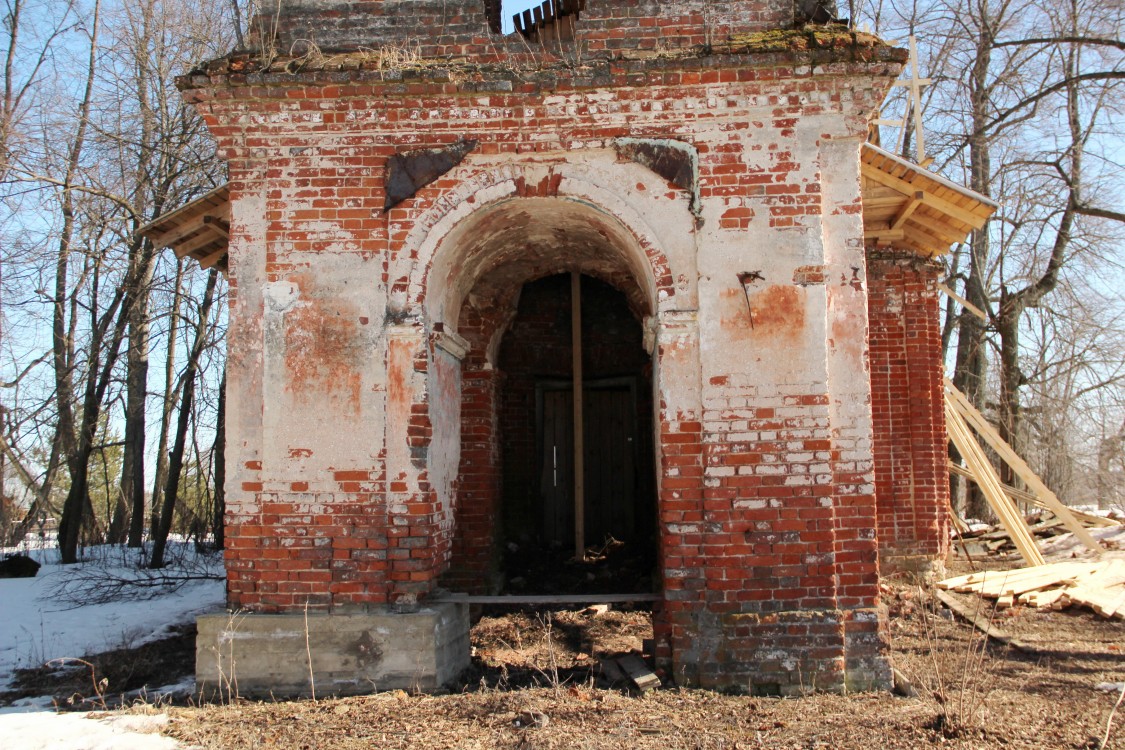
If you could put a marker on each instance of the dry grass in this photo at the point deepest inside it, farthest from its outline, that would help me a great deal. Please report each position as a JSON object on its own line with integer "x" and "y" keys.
{"x": 970, "y": 694}
{"x": 1043, "y": 700}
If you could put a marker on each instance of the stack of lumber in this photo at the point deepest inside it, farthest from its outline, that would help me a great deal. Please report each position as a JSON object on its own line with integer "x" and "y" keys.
{"x": 1098, "y": 585}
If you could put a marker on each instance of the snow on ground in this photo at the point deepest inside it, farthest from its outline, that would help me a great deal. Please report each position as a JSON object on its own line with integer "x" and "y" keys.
{"x": 51, "y": 731}
{"x": 36, "y": 627}
{"x": 1068, "y": 546}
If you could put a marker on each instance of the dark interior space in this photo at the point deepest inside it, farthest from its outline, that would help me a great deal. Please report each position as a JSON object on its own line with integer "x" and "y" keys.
{"x": 536, "y": 422}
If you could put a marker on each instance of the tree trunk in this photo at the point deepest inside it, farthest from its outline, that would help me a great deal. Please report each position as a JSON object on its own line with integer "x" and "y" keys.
{"x": 78, "y": 456}
{"x": 176, "y": 458}
{"x": 166, "y": 406}
{"x": 971, "y": 362}
{"x": 136, "y": 386}
{"x": 219, "y": 457}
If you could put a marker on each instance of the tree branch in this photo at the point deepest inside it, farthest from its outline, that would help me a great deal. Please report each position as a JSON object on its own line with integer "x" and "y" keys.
{"x": 1118, "y": 43}
{"x": 1102, "y": 75}
{"x": 1102, "y": 213}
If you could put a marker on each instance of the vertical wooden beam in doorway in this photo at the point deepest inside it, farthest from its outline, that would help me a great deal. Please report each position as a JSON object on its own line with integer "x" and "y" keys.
{"x": 579, "y": 462}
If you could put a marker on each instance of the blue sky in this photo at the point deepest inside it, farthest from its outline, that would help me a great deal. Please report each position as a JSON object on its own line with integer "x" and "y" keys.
{"x": 509, "y": 8}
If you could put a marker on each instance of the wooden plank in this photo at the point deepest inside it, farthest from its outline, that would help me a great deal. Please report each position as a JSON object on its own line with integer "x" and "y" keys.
{"x": 1091, "y": 520}
{"x": 214, "y": 203}
{"x": 545, "y": 599}
{"x": 612, "y": 671}
{"x": 218, "y": 226}
{"x": 638, "y": 672}
{"x": 883, "y": 235}
{"x": 203, "y": 239}
{"x": 1041, "y": 599}
{"x": 936, "y": 225}
{"x": 213, "y": 258}
{"x": 1103, "y": 601}
{"x": 1033, "y": 577}
{"x": 990, "y": 484}
{"x": 189, "y": 226}
{"x": 978, "y": 621}
{"x": 1001, "y": 588}
{"x": 1087, "y": 519}
{"x": 989, "y": 434}
{"x": 964, "y": 302}
{"x": 579, "y": 444}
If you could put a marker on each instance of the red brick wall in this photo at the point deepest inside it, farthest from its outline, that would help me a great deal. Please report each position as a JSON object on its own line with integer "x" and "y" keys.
{"x": 767, "y": 521}
{"x": 911, "y": 479}
{"x": 433, "y": 28}
{"x": 474, "y": 560}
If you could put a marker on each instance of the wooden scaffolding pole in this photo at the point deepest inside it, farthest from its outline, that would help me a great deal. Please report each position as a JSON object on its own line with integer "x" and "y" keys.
{"x": 579, "y": 442}
{"x": 988, "y": 433}
{"x": 989, "y": 484}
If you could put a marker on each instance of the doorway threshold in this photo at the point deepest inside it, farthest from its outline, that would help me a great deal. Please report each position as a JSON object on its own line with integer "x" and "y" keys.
{"x": 454, "y": 598}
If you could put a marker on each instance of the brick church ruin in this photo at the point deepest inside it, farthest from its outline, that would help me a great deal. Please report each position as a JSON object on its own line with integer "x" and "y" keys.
{"x": 649, "y": 228}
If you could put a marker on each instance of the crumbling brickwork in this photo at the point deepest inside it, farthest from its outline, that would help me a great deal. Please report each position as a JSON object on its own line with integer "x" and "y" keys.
{"x": 440, "y": 29}
{"x": 364, "y": 378}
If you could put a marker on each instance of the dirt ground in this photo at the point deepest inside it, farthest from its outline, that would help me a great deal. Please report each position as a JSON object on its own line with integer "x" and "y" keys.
{"x": 536, "y": 683}
{"x": 969, "y": 694}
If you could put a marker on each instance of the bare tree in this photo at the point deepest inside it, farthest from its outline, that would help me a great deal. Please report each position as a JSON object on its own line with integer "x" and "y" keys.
{"x": 175, "y": 459}
{"x": 1024, "y": 98}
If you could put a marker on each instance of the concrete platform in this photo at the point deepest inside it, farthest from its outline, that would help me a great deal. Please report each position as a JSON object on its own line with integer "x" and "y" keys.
{"x": 260, "y": 655}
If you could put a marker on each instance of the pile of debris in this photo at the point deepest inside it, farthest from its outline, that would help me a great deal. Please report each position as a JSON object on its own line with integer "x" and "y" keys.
{"x": 1099, "y": 585}
{"x": 1042, "y": 525}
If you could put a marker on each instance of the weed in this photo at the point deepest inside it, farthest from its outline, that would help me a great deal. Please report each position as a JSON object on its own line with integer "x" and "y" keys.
{"x": 961, "y": 699}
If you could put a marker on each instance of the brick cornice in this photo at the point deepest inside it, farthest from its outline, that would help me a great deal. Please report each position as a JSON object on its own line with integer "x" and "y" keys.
{"x": 772, "y": 56}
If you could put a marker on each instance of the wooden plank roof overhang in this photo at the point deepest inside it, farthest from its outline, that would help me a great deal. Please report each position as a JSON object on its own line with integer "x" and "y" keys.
{"x": 200, "y": 229}
{"x": 905, "y": 207}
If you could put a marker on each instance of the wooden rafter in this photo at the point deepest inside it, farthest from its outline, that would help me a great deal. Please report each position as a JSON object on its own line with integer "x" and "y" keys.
{"x": 931, "y": 212}
{"x": 200, "y": 229}
{"x": 908, "y": 210}
{"x": 974, "y": 219}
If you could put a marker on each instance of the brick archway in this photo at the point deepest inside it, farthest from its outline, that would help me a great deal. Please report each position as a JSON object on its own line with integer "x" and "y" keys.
{"x": 472, "y": 288}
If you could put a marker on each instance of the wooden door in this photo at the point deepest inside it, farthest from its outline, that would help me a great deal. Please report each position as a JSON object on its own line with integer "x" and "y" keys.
{"x": 610, "y": 439}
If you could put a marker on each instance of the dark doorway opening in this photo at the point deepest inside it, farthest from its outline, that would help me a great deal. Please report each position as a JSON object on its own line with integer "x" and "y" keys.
{"x": 536, "y": 429}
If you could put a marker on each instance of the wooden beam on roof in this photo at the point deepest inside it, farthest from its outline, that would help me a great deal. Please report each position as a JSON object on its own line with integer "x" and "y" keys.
{"x": 215, "y": 202}
{"x": 884, "y": 234}
{"x": 204, "y": 239}
{"x": 177, "y": 232}
{"x": 974, "y": 220}
{"x": 213, "y": 258}
{"x": 933, "y": 232}
{"x": 907, "y": 210}
{"x": 218, "y": 226}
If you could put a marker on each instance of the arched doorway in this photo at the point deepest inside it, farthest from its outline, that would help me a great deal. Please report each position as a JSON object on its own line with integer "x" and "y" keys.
{"x": 541, "y": 504}
{"x": 505, "y": 287}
